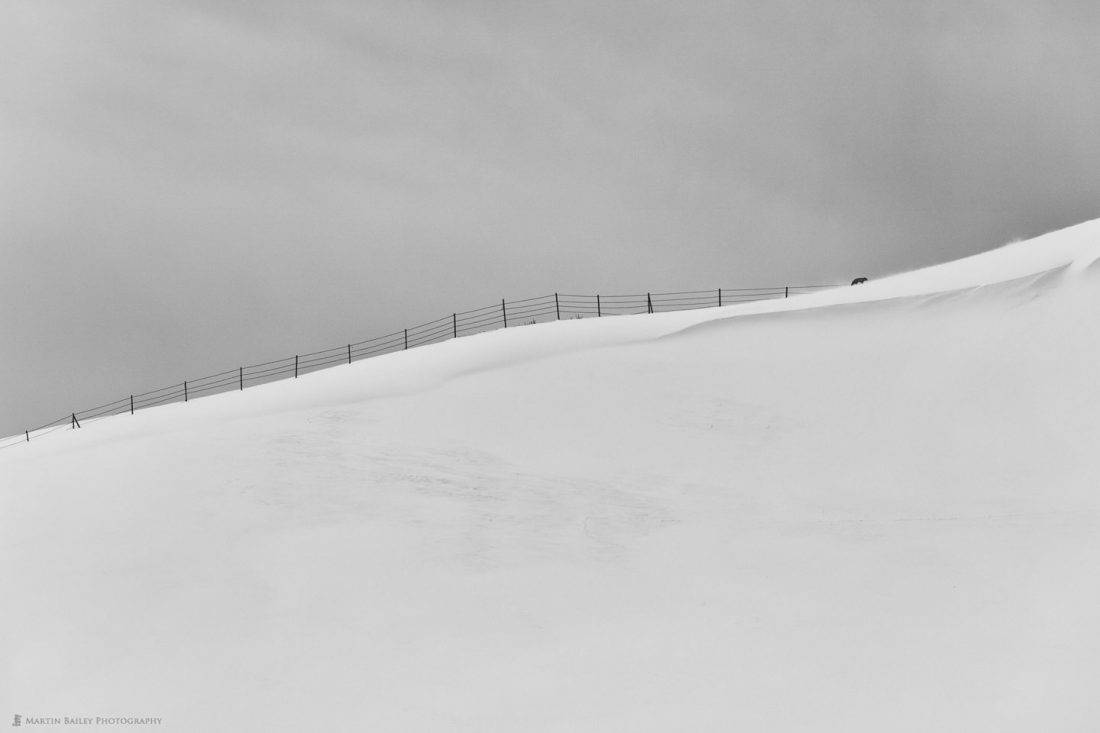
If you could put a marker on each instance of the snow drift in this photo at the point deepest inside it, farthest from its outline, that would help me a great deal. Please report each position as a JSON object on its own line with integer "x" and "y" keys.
{"x": 871, "y": 508}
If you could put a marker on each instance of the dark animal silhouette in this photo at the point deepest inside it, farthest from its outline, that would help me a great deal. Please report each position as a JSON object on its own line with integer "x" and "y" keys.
{"x": 859, "y": 281}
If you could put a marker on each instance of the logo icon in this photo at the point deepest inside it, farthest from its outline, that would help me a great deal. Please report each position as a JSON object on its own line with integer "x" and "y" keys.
{"x": 17, "y": 721}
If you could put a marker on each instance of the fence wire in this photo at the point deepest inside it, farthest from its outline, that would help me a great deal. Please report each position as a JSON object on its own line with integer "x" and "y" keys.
{"x": 504, "y": 314}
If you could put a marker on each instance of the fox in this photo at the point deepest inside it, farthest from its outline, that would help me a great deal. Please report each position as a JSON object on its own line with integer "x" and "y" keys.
{"x": 859, "y": 281}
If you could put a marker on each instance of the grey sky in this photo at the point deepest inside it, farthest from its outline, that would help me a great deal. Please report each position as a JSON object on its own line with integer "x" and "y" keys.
{"x": 188, "y": 186}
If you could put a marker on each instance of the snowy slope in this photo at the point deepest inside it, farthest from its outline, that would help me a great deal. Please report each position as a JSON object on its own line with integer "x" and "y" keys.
{"x": 872, "y": 508}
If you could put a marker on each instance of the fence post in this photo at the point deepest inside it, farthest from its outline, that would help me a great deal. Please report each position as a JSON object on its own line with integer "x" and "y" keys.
{"x": 406, "y": 338}
{"x": 719, "y": 297}
{"x": 787, "y": 291}
{"x": 241, "y": 374}
{"x": 185, "y": 390}
{"x": 28, "y": 435}
{"x": 131, "y": 404}
{"x": 295, "y": 366}
{"x": 76, "y": 423}
{"x": 599, "y": 313}
{"x": 454, "y": 323}
{"x": 349, "y": 353}
{"x": 649, "y": 303}
{"x": 504, "y": 312}
{"x": 557, "y": 308}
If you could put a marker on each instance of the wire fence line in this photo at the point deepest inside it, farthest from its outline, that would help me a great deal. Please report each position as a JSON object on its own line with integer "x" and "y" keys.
{"x": 505, "y": 314}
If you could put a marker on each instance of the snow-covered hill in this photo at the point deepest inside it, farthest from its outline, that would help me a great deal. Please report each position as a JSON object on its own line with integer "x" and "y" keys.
{"x": 873, "y": 508}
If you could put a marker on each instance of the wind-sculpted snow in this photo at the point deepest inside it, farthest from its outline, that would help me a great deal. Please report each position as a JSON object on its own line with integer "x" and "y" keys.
{"x": 872, "y": 508}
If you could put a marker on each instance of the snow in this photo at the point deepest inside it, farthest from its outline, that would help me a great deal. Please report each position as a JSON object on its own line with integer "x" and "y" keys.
{"x": 870, "y": 508}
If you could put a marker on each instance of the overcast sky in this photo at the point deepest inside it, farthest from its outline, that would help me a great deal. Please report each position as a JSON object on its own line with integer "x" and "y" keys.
{"x": 189, "y": 186}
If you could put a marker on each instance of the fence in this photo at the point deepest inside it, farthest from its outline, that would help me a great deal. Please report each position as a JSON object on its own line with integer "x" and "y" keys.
{"x": 460, "y": 323}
